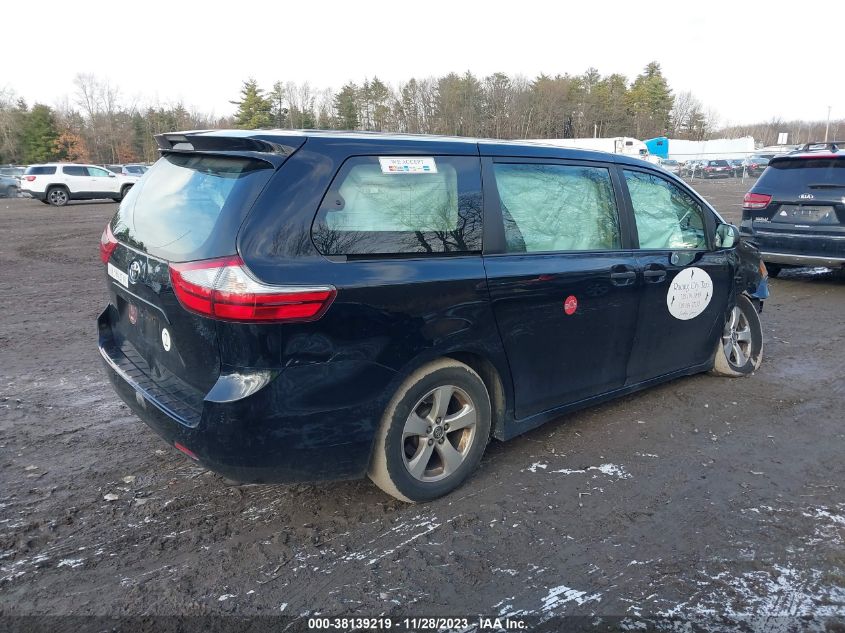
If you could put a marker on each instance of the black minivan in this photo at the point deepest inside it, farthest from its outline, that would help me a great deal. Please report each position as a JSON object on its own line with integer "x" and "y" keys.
{"x": 288, "y": 306}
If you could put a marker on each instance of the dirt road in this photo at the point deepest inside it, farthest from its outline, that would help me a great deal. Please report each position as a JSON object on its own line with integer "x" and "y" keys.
{"x": 706, "y": 498}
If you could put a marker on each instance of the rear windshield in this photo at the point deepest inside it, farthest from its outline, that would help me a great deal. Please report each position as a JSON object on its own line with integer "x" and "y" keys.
{"x": 40, "y": 170}
{"x": 189, "y": 207}
{"x": 718, "y": 163}
{"x": 803, "y": 173}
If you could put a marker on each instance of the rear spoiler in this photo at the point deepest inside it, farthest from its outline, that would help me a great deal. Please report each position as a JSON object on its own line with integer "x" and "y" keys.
{"x": 209, "y": 141}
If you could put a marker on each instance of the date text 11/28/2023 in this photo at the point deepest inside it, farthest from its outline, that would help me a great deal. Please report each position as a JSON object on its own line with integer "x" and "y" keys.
{"x": 419, "y": 623}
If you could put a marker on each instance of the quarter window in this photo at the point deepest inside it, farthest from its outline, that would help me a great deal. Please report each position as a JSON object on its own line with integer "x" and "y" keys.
{"x": 371, "y": 210}
{"x": 557, "y": 207}
{"x": 96, "y": 171}
{"x": 667, "y": 217}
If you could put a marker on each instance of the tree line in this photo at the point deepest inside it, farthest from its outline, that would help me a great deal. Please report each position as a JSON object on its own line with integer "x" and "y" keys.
{"x": 97, "y": 124}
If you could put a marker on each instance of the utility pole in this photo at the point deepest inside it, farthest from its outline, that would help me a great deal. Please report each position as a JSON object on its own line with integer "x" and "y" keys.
{"x": 827, "y": 125}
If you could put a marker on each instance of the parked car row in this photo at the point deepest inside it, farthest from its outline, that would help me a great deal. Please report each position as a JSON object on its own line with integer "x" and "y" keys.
{"x": 57, "y": 183}
{"x": 724, "y": 168}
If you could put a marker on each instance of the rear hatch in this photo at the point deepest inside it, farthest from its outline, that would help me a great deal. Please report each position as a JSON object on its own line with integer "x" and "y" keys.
{"x": 188, "y": 207}
{"x": 801, "y": 195}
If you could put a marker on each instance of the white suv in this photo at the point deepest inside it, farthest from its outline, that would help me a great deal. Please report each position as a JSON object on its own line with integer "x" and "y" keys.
{"x": 58, "y": 183}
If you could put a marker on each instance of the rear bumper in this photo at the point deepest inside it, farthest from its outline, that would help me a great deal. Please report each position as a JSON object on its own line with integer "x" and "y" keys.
{"x": 290, "y": 428}
{"x": 38, "y": 195}
{"x": 792, "y": 259}
{"x": 796, "y": 248}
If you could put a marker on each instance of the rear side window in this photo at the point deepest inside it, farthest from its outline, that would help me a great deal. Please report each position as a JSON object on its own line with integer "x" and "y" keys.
{"x": 803, "y": 174}
{"x": 74, "y": 170}
{"x": 40, "y": 170}
{"x": 189, "y": 206}
{"x": 667, "y": 217}
{"x": 370, "y": 209}
{"x": 557, "y": 207}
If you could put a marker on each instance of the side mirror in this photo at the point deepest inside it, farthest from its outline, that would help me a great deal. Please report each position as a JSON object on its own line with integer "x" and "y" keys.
{"x": 111, "y": 175}
{"x": 727, "y": 236}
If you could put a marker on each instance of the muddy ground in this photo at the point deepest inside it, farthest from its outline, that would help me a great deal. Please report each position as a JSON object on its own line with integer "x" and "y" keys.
{"x": 709, "y": 499}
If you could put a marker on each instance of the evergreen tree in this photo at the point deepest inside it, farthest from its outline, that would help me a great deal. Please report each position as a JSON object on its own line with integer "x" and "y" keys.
{"x": 346, "y": 106}
{"x": 278, "y": 111}
{"x": 39, "y": 135}
{"x": 254, "y": 109}
{"x": 651, "y": 102}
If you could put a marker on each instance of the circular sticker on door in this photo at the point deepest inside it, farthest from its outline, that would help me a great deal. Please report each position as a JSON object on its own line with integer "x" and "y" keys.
{"x": 165, "y": 339}
{"x": 689, "y": 293}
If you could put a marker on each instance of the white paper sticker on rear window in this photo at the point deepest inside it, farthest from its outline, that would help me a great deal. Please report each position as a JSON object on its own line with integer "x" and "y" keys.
{"x": 119, "y": 275}
{"x": 407, "y": 165}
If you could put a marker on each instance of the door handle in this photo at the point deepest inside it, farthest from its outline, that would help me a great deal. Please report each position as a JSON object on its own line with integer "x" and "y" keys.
{"x": 654, "y": 275}
{"x": 623, "y": 278}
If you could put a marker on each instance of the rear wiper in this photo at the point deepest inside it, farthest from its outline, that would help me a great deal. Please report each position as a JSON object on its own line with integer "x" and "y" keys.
{"x": 825, "y": 185}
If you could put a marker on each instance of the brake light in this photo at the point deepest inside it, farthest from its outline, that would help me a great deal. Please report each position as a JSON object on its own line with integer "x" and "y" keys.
{"x": 756, "y": 200}
{"x": 223, "y": 289}
{"x": 29, "y": 178}
{"x": 108, "y": 242}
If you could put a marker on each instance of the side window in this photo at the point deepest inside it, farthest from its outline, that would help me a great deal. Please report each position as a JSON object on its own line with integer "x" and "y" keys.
{"x": 667, "y": 217}
{"x": 74, "y": 170}
{"x": 379, "y": 207}
{"x": 557, "y": 207}
{"x": 96, "y": 171}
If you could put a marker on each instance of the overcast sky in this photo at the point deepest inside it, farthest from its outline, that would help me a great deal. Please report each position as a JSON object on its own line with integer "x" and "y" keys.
{"x": 749, "y": 63}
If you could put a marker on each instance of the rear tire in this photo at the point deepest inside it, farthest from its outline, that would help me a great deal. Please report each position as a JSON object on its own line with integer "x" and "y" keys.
{"x": 123, "y": 191}
{"x": 774, "y": 269}
{"x": 739, "y": 350}
{"x": 433, "y": 432}
{"x": 58, "y": 196}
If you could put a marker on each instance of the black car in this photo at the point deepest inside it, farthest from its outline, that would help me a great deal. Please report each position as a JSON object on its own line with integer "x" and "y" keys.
{"x": 755, "y": 165}
{"x": 795, "y": 212}
{"x": 714, "y": 169}
{"x": 289, "y": 306}
{"x": 737, "y": 167}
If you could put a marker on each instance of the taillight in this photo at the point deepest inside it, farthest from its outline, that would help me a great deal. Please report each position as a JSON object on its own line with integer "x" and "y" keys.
{"x": 29, "y": 178}
{"x": 108, "y": 242}
{"x": 223, "y": 289}
{"x": 756, "y": 200}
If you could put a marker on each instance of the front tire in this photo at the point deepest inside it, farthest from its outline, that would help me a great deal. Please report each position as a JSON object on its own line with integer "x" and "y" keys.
{"x": 58, "y": 196}
{"x": 773, "y": 269}
{"x": 433, "y": 432}
{"x": 739, "y": 351}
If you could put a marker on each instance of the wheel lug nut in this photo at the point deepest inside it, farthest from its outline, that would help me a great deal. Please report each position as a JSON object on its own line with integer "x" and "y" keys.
{"x": 446, "y": 427}
{"x": 428, "y": 429}
{"x": 440, "y": 441}
{"x": 430, "y": 441}
{"x": 438, "y": 420}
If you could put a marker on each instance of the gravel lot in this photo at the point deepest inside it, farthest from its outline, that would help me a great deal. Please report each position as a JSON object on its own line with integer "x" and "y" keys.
{"x": 708, "y": 499}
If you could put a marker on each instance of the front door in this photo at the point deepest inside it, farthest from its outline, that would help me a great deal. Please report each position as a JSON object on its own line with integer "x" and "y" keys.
{"x": 686, "y": 283}
{"x": 102, "y": 181}
{"x": 562, "y": 282}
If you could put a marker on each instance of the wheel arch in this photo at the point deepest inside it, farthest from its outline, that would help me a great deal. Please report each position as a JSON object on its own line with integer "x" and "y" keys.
{"x": 488, "y": 372}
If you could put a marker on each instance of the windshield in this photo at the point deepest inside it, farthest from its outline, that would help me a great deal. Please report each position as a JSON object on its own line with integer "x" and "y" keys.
{"x": 190, "y": 206}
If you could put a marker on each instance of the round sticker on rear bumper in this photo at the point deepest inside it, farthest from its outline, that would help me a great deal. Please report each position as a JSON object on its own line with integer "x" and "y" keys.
{"x": 689, "y": 293}
{"x": 165, "y": 339}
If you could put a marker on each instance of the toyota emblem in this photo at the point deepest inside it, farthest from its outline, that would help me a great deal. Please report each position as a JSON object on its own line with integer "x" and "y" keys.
{"x": 134, "y": 271}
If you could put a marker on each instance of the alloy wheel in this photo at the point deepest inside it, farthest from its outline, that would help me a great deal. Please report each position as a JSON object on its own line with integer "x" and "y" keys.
{"x": 439, "y": 433}
{"x": 736, "y": 338}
